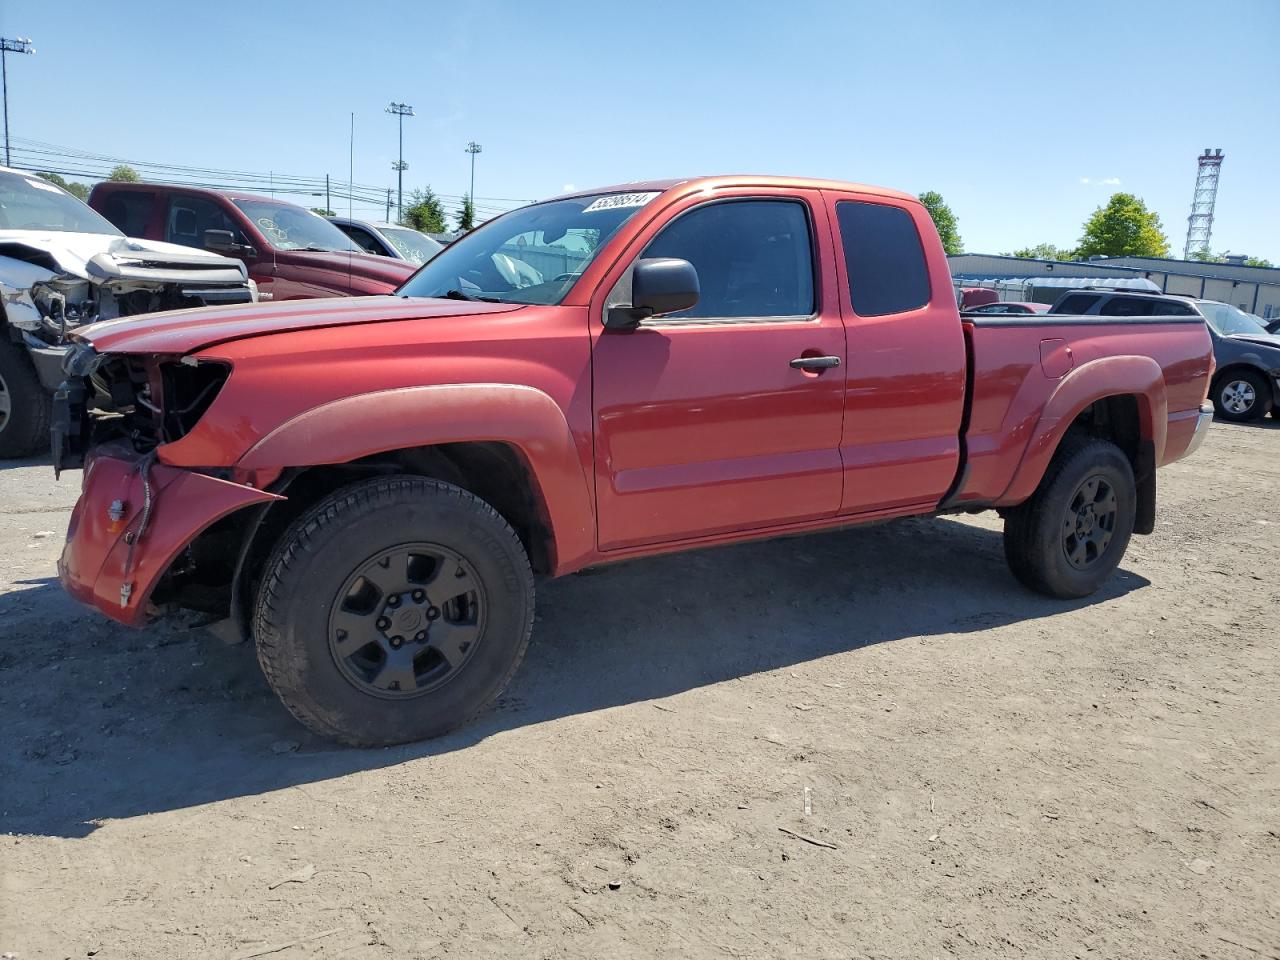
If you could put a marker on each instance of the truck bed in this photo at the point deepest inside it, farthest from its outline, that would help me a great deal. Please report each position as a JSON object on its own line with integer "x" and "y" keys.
{"x": 1018, "y": 364}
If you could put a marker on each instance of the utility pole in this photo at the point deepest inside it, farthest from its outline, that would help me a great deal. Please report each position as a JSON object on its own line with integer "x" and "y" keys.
{"x": 328, "y": 209}
{"x": 20, "y": 45}
{"x": 387, "y": 218}
{"x": 473, "y": 148}
{"x": 400, "y": 110}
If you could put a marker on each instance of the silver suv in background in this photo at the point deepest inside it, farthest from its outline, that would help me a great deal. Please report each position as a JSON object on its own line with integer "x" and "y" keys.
{"x": 1246, "y": 383}
{"x": 389, "y": 239}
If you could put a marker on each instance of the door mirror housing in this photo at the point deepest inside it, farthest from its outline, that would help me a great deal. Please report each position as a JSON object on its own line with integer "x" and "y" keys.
{"x": 659, "y": 285}
{"x": 224, "y": 241}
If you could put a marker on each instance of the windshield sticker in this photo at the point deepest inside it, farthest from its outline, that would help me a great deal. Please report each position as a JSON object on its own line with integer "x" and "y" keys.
{"x": 41, "y": 185}
{"x": 616, "y": 200}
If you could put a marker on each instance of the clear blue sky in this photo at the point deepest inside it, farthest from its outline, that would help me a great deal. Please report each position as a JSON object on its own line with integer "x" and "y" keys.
{"x": 1006, "y": 108}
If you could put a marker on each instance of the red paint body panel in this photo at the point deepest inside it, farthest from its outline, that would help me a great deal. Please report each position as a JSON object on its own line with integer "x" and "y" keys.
{"x": 1015, "y": 404}
{"x": 905, "y": 388}
{"x": 96, "y": 561}
{"x": 704, "y": 427}
{"x": 673, "y": 435}
{"x": 280, "y": 274}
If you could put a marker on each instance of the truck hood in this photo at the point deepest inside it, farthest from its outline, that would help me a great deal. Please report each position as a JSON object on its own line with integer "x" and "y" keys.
{"x": 384, "y": 269}
{"x": 104, "y": 257}
{"x": 183, "y": 331}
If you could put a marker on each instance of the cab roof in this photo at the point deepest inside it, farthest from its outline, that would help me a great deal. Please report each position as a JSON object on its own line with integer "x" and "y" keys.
{"x": 738, "y": 180}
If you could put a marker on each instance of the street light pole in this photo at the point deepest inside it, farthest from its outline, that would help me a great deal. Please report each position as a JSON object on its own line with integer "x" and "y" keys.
{"x": 473, "y": 148}
{"x": 20, "y": 45}
{"x": 401, "y": 110}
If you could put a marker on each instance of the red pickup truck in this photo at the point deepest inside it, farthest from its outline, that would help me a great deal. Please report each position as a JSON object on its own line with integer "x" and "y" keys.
{"x": 369, "y": 486}
{"x": 290, "y": 252}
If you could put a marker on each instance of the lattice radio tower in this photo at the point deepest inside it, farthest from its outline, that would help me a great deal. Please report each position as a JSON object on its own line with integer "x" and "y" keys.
{"x": 1200, "y": 223}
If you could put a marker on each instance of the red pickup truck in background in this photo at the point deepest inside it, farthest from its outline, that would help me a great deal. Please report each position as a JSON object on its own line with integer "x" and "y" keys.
{"x": 290, "y": 252}
{"x": 368, "y": 487}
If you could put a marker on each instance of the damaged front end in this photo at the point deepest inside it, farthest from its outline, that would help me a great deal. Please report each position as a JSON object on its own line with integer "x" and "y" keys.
{"x": 145, "y": 536}
{"x": 48, "y": 292}
{"x": 142, "y": 402}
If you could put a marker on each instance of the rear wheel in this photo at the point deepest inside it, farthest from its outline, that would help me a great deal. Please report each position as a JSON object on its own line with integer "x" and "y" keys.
{"x": 1240, "y": 396}
{"x": 394, "y": 610}
{"x": 1069, "y": 537}
{"x": 25, "y": 408}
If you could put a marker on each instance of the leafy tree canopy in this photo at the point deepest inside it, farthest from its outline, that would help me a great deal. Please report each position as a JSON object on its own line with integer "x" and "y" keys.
{"x": 1043, "y": 251}
{"x": 75, "y": 189}
{"x": 944, "y": 220}
{"x": 467, "y": 215}
{"x": 124, "y": 173}
{"x": 425, "y": 212}
{"x": 1124, "y": 227}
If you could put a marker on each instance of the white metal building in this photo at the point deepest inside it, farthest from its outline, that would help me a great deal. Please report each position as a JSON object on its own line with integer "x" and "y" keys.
{"x": 1252, "y": 289}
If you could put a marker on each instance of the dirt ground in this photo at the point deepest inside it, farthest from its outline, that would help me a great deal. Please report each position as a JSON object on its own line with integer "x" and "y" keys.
{"x": 986, "y": 773}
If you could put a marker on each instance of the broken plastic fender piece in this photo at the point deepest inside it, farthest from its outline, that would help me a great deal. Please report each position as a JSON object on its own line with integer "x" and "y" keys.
{"x": 112, "y": 561}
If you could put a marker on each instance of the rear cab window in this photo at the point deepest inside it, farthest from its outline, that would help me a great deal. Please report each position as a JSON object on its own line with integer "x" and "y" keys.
{"x": 884, "y": 258}
{"x": 130, "y": 211}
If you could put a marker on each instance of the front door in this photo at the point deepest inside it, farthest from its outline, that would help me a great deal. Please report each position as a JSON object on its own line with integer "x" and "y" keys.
{"x": 726, "y": 416}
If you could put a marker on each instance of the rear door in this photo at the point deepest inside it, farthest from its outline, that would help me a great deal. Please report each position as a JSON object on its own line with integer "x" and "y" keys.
{"x": 906, "y": 372}
{"x": 722, "y": 417}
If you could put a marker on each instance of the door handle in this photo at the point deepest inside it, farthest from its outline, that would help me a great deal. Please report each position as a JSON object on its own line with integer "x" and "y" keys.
{"x": 814, "y": 363}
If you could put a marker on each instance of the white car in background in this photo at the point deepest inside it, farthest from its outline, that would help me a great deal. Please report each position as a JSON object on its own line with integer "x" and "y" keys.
{"x": 62, "y": 266}
{"x": 389, "y": 239}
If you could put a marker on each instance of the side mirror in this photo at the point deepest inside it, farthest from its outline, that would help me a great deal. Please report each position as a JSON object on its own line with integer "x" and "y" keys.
{"x": 224, "y": 241}
{"x": 658, "y": 286}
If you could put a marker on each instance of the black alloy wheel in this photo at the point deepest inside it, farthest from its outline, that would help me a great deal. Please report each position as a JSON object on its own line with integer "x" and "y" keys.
{"x": 407, "y": 620}
{"x": 1089, "y": 522}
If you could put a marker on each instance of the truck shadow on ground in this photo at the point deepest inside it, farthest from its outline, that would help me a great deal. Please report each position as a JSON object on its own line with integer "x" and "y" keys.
{"x": 102, "y": 722}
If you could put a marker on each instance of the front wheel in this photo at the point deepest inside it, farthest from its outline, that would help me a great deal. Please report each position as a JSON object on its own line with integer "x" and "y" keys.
{"x": 25, "y": 407}
{"x": 394, "y": 610}
{"x": 1241, "y": 396}
{"x": 1069, "y": 537}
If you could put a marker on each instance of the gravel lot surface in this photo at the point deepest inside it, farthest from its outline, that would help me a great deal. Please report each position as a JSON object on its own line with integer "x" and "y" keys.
{"x": 870, "y": 743}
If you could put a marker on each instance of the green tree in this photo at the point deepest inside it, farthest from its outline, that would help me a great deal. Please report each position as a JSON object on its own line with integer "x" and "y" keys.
{"x": 322, "y": 211}
{"x": 946, "y": 222}
{"x": 1043, "y": 251}
{"x": 467, "y": 215}
{"x": 75, "y": 189}
{"x": 425, "y": 212}
{"x": 1208, "y": 256}
{"x": 123, "y": 173}
{"x": 1124, "y": 227}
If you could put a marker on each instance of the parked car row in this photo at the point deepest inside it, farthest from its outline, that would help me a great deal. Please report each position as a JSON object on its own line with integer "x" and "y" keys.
{"x": 288, "y": 251}
{"x": 143, "y": 248}
{"x": 62, "y": 265}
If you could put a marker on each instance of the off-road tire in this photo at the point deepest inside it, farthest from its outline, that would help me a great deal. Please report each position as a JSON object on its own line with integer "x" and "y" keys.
{"x": 1261, "y": 393}
{"x": 26, "y": 428}
{"x": 1035, "y": 541}
{"x": 303, "y": 580}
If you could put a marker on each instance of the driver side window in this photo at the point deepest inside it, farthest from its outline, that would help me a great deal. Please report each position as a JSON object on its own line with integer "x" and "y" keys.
{"x": 754, "y": 258}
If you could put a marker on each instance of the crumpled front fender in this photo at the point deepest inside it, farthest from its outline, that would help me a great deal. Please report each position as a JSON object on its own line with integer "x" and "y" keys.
{"x": 117, "y": 550}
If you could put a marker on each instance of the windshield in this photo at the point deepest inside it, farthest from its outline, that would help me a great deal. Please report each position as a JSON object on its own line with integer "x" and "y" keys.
{"x": 287, "y": 227}
{"x": 532, "y": 255}
{"x": 1228, "y": 320}
{"x": 412, "y": 245}
{"x": 29, "y": 203}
